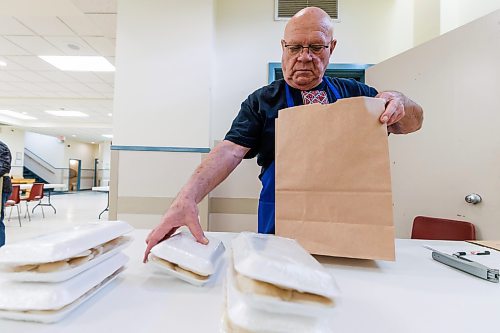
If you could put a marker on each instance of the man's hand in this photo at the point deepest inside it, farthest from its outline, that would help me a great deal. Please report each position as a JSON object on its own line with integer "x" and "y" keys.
{"x": 401, "y": 114}
{"x": 183, "y": 211}
{"x": 394, "y": 107}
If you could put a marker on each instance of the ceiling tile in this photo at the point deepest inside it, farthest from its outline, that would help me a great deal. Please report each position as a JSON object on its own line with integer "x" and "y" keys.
{"x": 10, "y": 26}
{"x": 35, "y": 45}
{"x": 32, "y": 63}
{"x": 105, "y": 22}
{"x": 46, "y": 25}
{"x": 9, "y": 48}
{"x": 78, "y": 87}
{"x": 11, "y": 66}
{"x": 85, "y": 77}
{"x": 108, "y": 77}
{"x": 9, "y": 77}
{"x": 57, "y": 76}
{"x": 101, "y": 87}
{"x": 96, "y": 6}
{"x": 72, "y": 46}
{"x": 29, "y": 76}
{"x": 81, "y": 25}
{"x": 104, "y": 45}
{"x": 7, "y": 87}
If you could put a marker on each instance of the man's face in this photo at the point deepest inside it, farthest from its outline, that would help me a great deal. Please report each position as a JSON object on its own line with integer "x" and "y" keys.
{"x": 304, "y": 70}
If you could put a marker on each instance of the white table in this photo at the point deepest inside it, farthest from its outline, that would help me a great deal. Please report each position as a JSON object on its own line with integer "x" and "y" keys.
{"x": 413, "y": 294}
{"x": 102, "y": 189}
{"x": 46, "y": 187}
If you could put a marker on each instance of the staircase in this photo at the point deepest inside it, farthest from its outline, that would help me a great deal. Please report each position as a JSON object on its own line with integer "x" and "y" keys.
{"x": 27, "y": 173}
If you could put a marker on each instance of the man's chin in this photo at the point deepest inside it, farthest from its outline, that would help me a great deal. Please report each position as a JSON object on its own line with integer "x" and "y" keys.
{"x": 304, "y": 82}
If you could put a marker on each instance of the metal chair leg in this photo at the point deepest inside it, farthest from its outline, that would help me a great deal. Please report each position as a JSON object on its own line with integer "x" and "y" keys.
{"x": 27, "y": 212}
{"x": 18, "y": 215}
{"x": 10, "y": 213}
{"x": 43, "y": 213}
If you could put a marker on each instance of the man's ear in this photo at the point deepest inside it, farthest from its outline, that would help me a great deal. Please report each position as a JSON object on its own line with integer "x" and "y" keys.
{"x": 333, "y": 43}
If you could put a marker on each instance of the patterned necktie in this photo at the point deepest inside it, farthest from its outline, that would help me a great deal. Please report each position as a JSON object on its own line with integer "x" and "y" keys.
{"x": 314, "y": 96}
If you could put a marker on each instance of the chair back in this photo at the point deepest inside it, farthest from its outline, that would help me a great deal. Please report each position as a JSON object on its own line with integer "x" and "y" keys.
{"x": 36, "y": 192}
{"x": 442, "y": 229}
{"x": 15, "y": 196}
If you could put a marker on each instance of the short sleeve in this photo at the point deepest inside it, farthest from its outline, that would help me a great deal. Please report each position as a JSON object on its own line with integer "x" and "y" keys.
{"x": 246, "y": 129}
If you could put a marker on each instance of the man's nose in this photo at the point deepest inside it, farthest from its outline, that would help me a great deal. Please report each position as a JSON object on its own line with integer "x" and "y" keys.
{"x": 304, "y": 54}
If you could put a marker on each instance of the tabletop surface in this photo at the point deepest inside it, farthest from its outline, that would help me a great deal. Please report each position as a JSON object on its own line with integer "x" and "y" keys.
{"x": 45, "y": 186}
{"x": 100, "y": 188}
{"x": 412, "y": 294}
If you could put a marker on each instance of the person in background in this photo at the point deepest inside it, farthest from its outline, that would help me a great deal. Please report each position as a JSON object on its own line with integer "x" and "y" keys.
{"x": 307, "y": 45}
{"x": 5, "y": 163}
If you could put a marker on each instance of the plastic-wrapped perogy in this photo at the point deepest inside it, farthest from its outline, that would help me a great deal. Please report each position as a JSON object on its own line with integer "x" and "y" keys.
{"x": 50, "y": 302}
{"x": 241, "y": 317}
{"x": 63, "y": 254}
{"x": 279, "y": 275}
{"x": 183, "y": 257}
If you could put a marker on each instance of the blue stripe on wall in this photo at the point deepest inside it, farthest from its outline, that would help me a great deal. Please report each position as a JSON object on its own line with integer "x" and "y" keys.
{"x": 162, "y": 149}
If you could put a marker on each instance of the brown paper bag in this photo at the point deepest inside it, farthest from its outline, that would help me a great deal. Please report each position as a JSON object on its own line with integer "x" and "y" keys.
{"x": 333, "y": 182}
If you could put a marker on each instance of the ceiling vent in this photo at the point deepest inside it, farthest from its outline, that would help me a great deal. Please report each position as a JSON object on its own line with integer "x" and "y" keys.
{"x": 285, "y": 9}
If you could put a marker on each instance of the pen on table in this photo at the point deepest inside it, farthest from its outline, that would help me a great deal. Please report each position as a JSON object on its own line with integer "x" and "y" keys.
{"x": 477, "y": 253}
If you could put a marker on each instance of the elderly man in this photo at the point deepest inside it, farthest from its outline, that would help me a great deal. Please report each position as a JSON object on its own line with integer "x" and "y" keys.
{"x": 307, "y": 46}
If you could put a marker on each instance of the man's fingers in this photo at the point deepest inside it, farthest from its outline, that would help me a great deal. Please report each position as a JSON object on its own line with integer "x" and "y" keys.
{"x": 148, "y": 249}
{"x": 197, "y": 232}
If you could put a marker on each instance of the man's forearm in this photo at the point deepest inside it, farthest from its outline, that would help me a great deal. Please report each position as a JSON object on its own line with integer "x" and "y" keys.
{"x": 218, "y": 164}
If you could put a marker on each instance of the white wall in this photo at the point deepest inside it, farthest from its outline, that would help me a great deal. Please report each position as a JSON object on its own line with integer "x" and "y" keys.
{"x": 163, "y": 78}
{"x": 47, "y": 147}
{"x": 455, "y": 13}
{"x": 14, "y": 139}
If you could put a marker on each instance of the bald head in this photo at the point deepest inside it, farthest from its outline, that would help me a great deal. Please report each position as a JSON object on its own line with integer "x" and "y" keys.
{"x": 310, "y": 18}
{"x": 307, "y": 46}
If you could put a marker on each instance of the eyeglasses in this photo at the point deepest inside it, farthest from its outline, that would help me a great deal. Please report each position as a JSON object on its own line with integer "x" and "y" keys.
{"x": 295, "y": 49}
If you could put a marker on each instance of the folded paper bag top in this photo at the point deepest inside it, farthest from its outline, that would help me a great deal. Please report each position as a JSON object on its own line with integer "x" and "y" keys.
{"x": 333, "y": 182}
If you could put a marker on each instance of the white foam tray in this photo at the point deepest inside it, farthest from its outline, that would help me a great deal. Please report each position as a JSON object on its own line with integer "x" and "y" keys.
{"x": 183, "y": 249}
{"x": 63, "y": 275}
{"x": 26, "y": 296}
{"x": 282, "y": 262}
{"x": 259, "y": 320}
{"x": 276, "y": 305}
{"x": 62, "y": 244}
{"x": 48, "y": 318}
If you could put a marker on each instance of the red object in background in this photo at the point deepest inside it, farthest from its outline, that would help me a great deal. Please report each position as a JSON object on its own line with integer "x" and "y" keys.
{"x": 442, "y": 229}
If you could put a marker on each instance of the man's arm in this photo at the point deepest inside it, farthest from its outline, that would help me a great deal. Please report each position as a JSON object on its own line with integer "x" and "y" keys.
{"x": 401, "y": 114}
{"x": 219, "y": 163}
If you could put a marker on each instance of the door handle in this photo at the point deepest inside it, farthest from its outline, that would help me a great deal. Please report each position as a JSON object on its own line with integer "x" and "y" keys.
{"x": 473, "y": 198}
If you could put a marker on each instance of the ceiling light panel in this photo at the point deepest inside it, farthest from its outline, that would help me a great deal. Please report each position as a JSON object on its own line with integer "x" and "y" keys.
{"x": 80, "y": 63}
{"x": 17, "y": 115}
{"x": 67, "y": 113}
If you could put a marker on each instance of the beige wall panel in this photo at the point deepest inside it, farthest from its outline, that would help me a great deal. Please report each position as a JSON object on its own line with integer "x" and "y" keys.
{"x": 233, "y": 222}
{"x": 141, "y": 221}
{"x": 242, "y": 183}
{"x": 154, "y": 174}
{"x": 455, "y": 78}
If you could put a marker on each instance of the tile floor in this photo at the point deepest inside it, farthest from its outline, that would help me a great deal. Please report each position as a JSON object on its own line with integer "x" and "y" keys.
{"x": 71, "y": 209}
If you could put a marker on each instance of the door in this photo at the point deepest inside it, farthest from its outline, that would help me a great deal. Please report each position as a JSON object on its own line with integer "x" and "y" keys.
{"x": 75, "y": 170}
{"x": 455, "y": 77}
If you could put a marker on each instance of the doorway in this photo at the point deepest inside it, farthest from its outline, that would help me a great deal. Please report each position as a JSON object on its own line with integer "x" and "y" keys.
{"x": 75, "y": 170}
{"x": 96, "y": 163}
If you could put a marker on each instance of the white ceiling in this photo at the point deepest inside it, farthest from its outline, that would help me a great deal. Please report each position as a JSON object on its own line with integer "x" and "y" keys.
{"x": 29, "y": 28}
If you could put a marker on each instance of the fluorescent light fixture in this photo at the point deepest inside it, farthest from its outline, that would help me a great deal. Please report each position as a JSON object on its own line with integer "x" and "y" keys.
{"x": 16, "y": 115}
{"x": 3, "y": 63}
{"x": 110, "y": 114}
{"x": 73, "y": 135}
{"x": 66, "y": 113}
{"x": 80, "y": 63}
{"x": 109, "y": 136}
{"x": 93, "y": 142}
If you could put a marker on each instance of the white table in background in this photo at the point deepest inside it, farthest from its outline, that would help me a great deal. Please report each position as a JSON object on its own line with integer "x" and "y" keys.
{"x": 46, "y": 187}
{"x": 415, "y": 294}
{"x": 102, "y": 189}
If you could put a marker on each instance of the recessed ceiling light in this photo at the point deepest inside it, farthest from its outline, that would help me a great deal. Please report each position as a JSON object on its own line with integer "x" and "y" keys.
{"x": 80, "y": 63}
{"x": 110, "y": 136}
{"x": 73, "y": 135}
{"x": 3, "y": 63}
{"x": 92, "y": 142}
{"x": 66, "y": 113}
{"x": 24, "y": 112}
{"x": 16, "y": 115}
{"x": 110, "y": 114}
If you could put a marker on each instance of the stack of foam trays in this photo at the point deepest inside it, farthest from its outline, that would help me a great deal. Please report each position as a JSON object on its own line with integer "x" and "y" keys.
{"x": 274, "y": 285}
{"x": 45, "y": 278}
